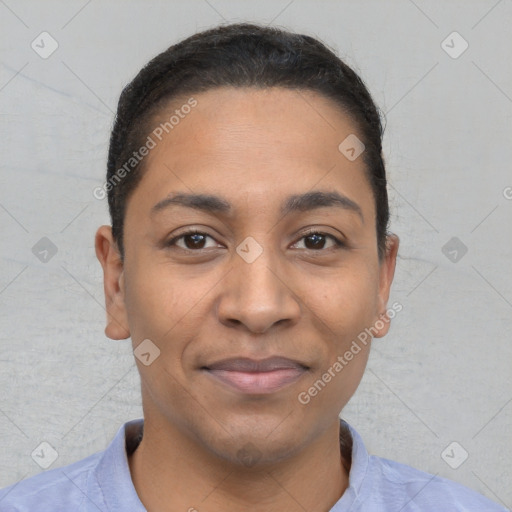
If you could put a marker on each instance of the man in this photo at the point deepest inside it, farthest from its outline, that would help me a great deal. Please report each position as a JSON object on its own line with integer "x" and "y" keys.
{"x": 250, "y": 264}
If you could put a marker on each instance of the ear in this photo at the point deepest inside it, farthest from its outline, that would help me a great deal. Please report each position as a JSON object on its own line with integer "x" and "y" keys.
{"x": 113, "y": 284}
{"x": 386, "y": 274}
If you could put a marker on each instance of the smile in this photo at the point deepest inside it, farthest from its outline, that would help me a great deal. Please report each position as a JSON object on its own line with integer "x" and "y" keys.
{"x": 256, "y": 377}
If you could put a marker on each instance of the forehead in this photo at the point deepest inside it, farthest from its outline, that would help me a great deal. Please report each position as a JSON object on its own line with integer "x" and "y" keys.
{"x": 253, "y": 144}
{"x": 250, "y": 119}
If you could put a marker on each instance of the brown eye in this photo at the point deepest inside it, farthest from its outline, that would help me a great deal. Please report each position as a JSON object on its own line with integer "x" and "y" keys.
{"x": 192, "y": 240}
{"x": 197, "y": 240}
{"x": 316, "y": 241}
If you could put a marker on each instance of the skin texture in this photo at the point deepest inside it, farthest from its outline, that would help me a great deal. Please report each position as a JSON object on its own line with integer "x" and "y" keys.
{"x": 253, "y": 147}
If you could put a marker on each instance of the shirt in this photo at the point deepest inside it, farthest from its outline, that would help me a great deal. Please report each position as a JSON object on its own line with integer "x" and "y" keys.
{"x": 102, "y": 483}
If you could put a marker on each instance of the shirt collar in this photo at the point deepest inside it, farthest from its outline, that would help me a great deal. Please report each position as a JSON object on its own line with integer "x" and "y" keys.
{"x": 113, "y": 471}
{"x": 114, "y": 478}
{"x": 358, "y": 471}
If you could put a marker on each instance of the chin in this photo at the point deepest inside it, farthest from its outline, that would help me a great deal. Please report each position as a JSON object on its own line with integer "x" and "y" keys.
{"x": 252, "y": 441}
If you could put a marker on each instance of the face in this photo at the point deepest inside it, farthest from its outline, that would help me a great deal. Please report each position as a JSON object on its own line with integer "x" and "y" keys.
{"x": 280, "y": 278}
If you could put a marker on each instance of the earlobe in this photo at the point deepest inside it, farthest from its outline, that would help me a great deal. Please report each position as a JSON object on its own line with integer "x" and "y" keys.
{"x": 113, "y": 277}
{"x": 386, "y": 275}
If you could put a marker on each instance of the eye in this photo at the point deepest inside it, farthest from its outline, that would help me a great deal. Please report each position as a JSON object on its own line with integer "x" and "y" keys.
{"x": 193, "y": 240}
{"x": 315, "y": 240}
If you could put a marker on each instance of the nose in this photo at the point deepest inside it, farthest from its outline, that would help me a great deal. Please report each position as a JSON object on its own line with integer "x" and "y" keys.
{"x": 257, "y": 296}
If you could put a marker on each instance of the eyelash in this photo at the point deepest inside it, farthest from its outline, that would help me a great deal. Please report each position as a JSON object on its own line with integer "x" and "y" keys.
{"x": 338, "y": 243}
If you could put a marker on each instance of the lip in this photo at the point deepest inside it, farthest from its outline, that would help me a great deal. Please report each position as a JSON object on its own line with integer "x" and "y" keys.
{"x": 253, "y": 376}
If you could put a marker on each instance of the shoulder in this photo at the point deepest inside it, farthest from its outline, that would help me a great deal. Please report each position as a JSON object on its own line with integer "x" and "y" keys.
{"x": 398, "y": 484}
{"x": 60, "y": 489}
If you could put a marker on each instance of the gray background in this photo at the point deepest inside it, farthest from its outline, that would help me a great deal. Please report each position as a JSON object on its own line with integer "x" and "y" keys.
{"x": 443, "y": 372}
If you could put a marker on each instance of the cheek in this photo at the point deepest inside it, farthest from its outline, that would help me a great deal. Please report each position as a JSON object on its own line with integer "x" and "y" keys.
{"x": 167, "y": 307}
{"x": 347, "y": 301}
{"x": 154, "y": 302}
{"x": 330, "y": 389}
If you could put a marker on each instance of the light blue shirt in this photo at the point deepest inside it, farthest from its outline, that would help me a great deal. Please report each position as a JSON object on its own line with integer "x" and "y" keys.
{"x": 102, "y": 483}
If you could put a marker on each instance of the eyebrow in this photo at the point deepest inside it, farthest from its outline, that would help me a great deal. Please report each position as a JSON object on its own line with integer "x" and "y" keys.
{"x": 294, "y": 203}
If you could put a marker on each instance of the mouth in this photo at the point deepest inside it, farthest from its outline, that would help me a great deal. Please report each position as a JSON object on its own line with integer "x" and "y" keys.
{"x": 252, "y": 376}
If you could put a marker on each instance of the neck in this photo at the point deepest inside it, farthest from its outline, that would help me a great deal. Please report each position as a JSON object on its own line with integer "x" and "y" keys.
{"x": 172, "y": 473}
